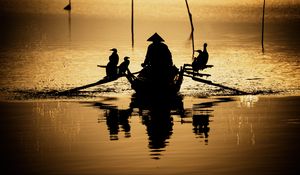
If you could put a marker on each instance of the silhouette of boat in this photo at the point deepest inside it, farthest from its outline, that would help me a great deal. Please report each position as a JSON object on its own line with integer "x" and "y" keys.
{"x": 159, "y": 82}
{"x": 147, "y": 84}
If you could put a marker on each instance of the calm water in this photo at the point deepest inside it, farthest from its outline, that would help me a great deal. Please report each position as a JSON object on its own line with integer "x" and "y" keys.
{"x": 104, "y": 130}
{"x": 247, "y": 135}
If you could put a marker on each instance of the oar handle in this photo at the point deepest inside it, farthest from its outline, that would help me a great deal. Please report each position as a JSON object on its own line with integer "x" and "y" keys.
{"x": 101, "y": 66}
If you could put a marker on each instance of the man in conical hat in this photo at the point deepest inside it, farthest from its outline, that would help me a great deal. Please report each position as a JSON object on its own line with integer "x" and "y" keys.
{"x": 158, "y": 54}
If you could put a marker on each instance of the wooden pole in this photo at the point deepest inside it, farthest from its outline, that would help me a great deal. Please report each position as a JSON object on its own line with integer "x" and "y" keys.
{"x": 70, "y": 25}
{"x": 263, "y": 27}
{"x": 132, "y": 24}
{"x": 192, "y": 28}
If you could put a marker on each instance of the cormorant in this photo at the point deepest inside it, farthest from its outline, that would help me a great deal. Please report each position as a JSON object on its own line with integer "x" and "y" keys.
{"x": 68, "y": 7}
{"x": 204, "y": 56}
{"x": 124, "y": 65}
{"x": 112, "y": 65}
{"x": 196, "y": 65}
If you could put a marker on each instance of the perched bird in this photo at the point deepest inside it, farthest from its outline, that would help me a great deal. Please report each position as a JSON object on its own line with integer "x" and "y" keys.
{"x": 201, "y": 60}
{"x": 124, "y": 65}
{"x": 114, "y": 57}
{"x": 204, "y": 56}
{"x": 196, "y": 63}
{"x": 68, "y": 7}
{"x": 112, "y": 65}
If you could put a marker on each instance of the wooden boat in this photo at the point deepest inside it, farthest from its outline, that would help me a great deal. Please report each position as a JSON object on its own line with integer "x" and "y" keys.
{"x": 149, "y": 83}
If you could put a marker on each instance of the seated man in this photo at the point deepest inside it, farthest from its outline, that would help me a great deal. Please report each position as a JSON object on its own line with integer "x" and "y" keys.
{"x": 158, "y": 59}
{"x": 158, "y": 54}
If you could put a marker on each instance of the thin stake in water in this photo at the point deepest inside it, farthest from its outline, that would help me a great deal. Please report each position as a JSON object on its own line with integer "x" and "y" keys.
{"x": 132, "y": 24}
{"x": 263, "y": 27}
{"x": 192, "y": 28}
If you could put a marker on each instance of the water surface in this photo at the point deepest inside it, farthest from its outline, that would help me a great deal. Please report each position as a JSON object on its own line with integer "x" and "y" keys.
{"x": 104, "y": 131}
{"x": 242, "y": 135}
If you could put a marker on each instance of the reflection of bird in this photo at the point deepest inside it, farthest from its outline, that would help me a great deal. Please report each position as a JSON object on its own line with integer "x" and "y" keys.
{"x": 116, "y": 118}
{"x": 68, "y": 7}
{"x": 200, "y": 123}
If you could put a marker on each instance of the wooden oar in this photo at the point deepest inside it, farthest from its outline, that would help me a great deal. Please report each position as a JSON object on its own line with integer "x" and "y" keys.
{"x": 102, "y": 81}
{"x": 196, "y": 74}
{"x": 102, "y": 66}
{"x": 215, "y": 84}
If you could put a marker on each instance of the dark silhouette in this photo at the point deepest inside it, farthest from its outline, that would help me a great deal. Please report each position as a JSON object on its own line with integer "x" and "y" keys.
{"x": 123, "y": 67}
{"x": 201, "y": 114}
{"x": 111, "y": 67}
{"x": 200, "y": 123}
{"x": 68, "y": 7}
{"x": 158, "y": 73}
{"x": 196, "y": 63}
{"x": 201, "y": 60}
{"x": 116, "y": 120}
{"x": 204, "y": 56}
{"x": 158, "y": 54}
{"x": 156, "y": 116}
{"x": 159, "y": 125}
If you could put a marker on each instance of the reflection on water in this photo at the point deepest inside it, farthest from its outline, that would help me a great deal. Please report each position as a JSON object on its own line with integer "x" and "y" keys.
{"x": 248, "y": 100}
{"x": 157, "y": 115}
{"x": 116, "y": 120}
{"x": 115, "y": 136}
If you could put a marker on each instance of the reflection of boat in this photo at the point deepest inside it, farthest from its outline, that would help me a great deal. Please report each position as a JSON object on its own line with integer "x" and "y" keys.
{"x": 164, "y": 82}
{"x": 158, "y": 115}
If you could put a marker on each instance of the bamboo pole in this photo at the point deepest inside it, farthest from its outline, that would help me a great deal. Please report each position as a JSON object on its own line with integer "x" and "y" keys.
{"x": 192, "y": 28}
{"x": 263, "y": 27}
{"x": 70, "y": 25}
{"x": 132, "y": 24}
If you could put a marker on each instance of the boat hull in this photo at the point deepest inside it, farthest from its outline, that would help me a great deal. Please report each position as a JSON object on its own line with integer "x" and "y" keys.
{"x": 156, "y": 85}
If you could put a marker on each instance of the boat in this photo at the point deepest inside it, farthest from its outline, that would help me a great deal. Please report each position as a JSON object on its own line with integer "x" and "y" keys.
{"x": 148, "y": 82}
{"x": 156, "y": 86}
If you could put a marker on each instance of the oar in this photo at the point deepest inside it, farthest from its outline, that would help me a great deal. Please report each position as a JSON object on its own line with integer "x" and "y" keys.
{"x": 215, "y": 84}
{"x": 103, "y": 81}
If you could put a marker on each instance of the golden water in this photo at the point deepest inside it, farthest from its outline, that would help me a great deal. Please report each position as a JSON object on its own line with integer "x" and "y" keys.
{"x": 44, "y": 48}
